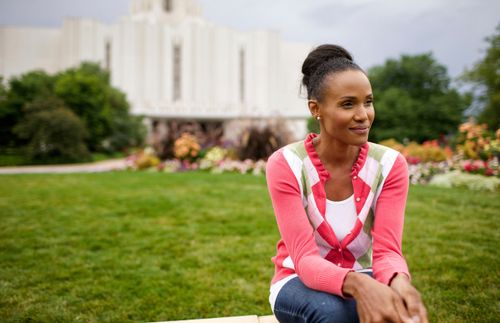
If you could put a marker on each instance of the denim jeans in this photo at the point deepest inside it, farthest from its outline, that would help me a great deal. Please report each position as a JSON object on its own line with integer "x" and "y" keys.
{"x": 296, "y": 303}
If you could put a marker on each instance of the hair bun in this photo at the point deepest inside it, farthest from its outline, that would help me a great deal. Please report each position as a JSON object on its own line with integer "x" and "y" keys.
{"x": 320, "y": 55}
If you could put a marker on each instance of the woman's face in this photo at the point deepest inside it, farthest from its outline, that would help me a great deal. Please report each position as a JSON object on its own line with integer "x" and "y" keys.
{"x": 346, "y": 111}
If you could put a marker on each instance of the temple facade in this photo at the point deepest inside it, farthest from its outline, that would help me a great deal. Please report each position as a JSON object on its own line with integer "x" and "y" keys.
{"x": 173, "y": 64}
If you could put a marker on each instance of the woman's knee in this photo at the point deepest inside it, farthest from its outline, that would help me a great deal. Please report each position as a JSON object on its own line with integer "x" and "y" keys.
{"x": 298, "y": 303}
{"x": 336, "y": 311}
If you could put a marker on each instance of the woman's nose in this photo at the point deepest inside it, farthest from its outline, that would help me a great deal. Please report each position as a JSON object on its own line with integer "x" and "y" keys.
{"x": 360, "y": 114}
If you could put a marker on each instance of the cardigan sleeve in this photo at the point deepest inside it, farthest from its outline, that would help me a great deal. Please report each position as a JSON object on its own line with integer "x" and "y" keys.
{"x": 297, "y": 232}
{"x": 387, "y": 230}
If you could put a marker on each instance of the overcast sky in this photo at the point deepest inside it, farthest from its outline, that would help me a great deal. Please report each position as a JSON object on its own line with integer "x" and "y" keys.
{"x": 373, "y": 30}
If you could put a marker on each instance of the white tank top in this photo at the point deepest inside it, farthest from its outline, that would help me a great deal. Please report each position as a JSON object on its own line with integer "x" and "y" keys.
{"x": 342, "y": 216}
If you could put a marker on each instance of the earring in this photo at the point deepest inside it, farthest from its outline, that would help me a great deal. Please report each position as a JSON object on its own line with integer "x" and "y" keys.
{"x": 318, "y": 117}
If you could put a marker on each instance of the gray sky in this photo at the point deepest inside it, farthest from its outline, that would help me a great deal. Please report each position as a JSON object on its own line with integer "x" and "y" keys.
{"x": 373, "y": 30}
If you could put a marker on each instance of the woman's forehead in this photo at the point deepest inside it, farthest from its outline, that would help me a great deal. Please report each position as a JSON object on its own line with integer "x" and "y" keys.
{"x": 352, "y": 81}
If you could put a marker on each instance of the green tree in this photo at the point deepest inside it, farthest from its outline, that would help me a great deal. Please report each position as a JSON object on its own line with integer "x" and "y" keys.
{"x": 87, "y": 91}
{"x": 486, "y": 76}
{"x": 53, "y": 131}
{"x": 414, "y": 100}
{"x": 3, "y": 90}
{"x": 126, "y": 130}
{"x": 20, "y": 90}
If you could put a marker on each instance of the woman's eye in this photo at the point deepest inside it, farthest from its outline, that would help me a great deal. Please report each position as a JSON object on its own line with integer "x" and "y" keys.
{"x": 347, "y": 104}
{"x": 369, "y": 102}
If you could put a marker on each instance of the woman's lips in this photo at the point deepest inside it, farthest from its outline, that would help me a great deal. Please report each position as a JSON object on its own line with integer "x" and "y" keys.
{"x": 360, "y": 130}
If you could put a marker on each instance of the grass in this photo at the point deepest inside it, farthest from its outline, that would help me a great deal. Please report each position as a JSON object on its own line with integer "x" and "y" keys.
{"x": 144, "y": 246}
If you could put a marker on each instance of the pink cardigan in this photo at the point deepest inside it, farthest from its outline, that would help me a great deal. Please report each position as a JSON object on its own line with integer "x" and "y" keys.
{"x": 298, "y": 241}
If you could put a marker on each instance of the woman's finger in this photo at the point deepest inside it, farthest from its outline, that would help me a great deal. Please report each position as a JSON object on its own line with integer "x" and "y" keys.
{"x": 423, "y": 314}
{"x": 404, "y": 316}
{"x": 413, "y": 303}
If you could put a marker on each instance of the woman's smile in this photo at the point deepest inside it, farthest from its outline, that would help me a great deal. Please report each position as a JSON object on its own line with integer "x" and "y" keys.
{"x": 360, "y": 130}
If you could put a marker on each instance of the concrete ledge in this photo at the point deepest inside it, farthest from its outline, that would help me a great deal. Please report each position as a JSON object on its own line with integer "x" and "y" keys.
{"x": 268, "y": 319}
{"x": 232, "y": 319}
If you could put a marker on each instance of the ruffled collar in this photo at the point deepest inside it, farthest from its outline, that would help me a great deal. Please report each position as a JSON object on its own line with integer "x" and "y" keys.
{"x": 320, "y": 168}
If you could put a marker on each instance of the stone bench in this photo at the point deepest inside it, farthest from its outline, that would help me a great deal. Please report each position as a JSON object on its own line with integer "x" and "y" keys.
{"x": 232, "y": 319}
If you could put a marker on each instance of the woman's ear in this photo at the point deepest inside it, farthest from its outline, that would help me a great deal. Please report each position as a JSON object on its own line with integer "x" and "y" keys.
{"x": 313, "y": 108}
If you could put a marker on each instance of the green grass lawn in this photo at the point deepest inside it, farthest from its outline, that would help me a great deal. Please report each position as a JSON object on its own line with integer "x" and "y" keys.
{"x": 152, "y": 246}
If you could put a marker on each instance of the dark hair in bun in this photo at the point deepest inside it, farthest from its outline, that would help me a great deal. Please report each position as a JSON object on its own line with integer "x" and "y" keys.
{"x": 321, "y": 62}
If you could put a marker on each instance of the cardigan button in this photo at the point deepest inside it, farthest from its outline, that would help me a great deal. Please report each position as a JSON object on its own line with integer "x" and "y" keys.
{"x": 358, "y": 199}
{"x": 355, "y": 177}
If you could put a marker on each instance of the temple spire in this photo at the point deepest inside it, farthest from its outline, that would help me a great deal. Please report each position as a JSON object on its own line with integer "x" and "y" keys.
{"x": 164, "y": 8}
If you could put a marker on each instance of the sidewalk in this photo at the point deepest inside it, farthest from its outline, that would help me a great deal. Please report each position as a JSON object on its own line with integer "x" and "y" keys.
{"x": 101, "y": 166}
{"x": 233, "y": 319}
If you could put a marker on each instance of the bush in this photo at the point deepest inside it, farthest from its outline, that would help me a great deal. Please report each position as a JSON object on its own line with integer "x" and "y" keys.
{"x": 476, "y": 142}
{"x": 429, "y": 151}
{"x": 53, "y": 131}
{"x": 186, "y": 147}
{"x": 142, "y": 159}
{"x": 260, "y": 142}
{"x": 394, "y": 144}
{"x": 470, "y": 181}
{"x": 128, "y": 131}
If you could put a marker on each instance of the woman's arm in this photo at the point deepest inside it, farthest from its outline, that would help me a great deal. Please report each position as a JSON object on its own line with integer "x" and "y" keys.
{"x": 389, "y": 265}
{"x": 296, "y": 231}
{"x": 387, "y": 229}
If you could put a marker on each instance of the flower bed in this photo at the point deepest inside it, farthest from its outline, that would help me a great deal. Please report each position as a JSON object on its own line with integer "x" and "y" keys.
{"x": 190, "y": 156}
{"x": 434, "y": 162}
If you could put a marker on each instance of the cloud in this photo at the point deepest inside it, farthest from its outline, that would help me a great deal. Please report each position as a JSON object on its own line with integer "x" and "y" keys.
{"x": 373, "y": 30}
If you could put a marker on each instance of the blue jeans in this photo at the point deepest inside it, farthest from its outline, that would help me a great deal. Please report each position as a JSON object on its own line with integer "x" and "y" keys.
{"x": 296, "y": 303}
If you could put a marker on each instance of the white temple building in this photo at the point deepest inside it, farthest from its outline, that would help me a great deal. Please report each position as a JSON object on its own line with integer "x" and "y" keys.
{"x": 173, "y": 64}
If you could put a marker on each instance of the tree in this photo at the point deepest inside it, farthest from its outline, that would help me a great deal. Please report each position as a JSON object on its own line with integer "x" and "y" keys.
{"x": 53, "y": 131}
{"x": 38, "y": 111}
{"x": 3, "y": 90}
{"x": 486, "y": 76}
{"x": 414, "y": 100}
{"x": 20, "y": 90}
{"x": 87, "y": 91}
{"x": 126, "y": 130}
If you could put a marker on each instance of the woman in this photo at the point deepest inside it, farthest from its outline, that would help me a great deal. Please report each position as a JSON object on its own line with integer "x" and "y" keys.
{"x": 339, "y": 203}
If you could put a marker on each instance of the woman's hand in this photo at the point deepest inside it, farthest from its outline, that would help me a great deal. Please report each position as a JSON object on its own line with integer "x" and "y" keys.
{"x": 375, "y": 301}
{"x": 411, "y": 297}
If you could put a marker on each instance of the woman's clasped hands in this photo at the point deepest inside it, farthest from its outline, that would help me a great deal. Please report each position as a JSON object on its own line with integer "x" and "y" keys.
{"x": 376, "y": 302}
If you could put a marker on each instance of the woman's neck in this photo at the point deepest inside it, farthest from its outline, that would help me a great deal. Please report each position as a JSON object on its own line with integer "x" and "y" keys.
{"x": 335, "y": 154}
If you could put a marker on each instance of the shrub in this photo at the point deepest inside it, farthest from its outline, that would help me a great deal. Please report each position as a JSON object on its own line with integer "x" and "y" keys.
{"x": 143, "y": 159}
{"x": 213, "y": 157}
{"x": 481, "y": 167}
{"x": 429, "y": 151}
{"x": 422, "y": 173}
{"x": 53, "y": 131}
{"x": 394, "y": 144}
{"x": 470, "y": 181}
{"x": 259, "y": 142}
{"x": 186, "y": 147}
{"x": 476, "y": 142}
